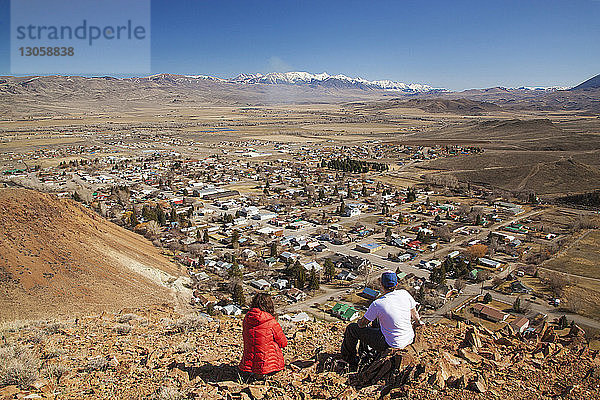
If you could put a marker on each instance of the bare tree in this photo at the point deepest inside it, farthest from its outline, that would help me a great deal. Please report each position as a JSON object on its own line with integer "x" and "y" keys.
{"x": 460, "y": 284}
{"x": 557, "y": 284}
{"x": 443, "y": 232}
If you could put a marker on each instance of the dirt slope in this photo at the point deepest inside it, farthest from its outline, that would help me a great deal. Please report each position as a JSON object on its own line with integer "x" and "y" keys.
{"x": 58, "y": 258}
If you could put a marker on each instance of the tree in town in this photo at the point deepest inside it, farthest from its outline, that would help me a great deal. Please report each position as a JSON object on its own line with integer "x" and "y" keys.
{"x": 235, "y": 271}
{"x": 133, "y": 219}
{"x": 205, "y": 238}
{"x": 476, "y": 251}
{"x": 149, "y": 214}
{"x": 557, "y": 284}
{"x": 483, "y": 275}
{"x": 487, "y": 298}
{"x": 460, "y": 284}
{"x": 388, "y": 234}
{"x": 299, "y": 275}
{"x": 313, "y": 280}
{"x": 443, "y": 233}
{"x": 329, "y": 269}
{"x": 161, "y": 218}
{"x": 235, "y": 239}
{"x": 238, "y": 296}
{"x": 438, "y": 275}
{"x": 274, "y": 250}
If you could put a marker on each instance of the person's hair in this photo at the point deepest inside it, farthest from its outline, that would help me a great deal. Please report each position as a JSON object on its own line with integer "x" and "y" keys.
{"x": 263, "y": 302}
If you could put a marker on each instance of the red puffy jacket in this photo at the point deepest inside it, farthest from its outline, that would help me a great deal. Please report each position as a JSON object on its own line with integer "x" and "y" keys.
{"x": 263, "y": 341}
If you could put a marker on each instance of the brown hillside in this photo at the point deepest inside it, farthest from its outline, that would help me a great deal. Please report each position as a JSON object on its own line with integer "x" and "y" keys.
{"x": 58, "y": 258}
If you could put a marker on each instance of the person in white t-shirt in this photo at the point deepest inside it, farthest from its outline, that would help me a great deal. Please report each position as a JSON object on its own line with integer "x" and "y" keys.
{"x": 394, "y": 311}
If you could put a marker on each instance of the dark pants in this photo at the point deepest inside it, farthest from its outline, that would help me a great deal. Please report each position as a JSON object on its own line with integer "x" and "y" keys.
{"x": 368, "y": 335}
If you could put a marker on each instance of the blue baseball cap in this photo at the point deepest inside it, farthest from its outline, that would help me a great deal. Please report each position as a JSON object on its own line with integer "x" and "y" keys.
{"x": 389, "y": 279}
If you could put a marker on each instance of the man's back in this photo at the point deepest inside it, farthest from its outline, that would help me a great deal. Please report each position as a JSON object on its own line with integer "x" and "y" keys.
{"x": 393, "y": 310}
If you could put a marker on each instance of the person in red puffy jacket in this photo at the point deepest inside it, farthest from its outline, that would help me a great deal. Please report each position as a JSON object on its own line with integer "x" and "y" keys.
{"x": 263, "y": 338}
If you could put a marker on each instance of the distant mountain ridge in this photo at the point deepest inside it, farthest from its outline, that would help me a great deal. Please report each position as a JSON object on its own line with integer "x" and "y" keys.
{"x": 324, "y": 80}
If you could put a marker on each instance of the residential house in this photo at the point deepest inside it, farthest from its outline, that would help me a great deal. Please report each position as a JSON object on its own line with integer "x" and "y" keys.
{"x": 520, "y": 324}
{"x": 204, "y": 299}
{"x": 312, "y": 264}
{"x": 280, "y": 284}
{"x": 345, "y": 312}
{"x": 295, "y": 294}
{"x": 489, "y": 313}
{"x": 260, "y": 284}
{"x": 346, "y": 276}
{"x": 488, "y": 263}
{"x": 368, "y": 247}
{"x": 519, "y": 287}
{"x": 369, "y": 294}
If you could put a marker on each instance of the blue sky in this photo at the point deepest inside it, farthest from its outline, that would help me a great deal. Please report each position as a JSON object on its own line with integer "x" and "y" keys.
{"x": 451, "y": 44}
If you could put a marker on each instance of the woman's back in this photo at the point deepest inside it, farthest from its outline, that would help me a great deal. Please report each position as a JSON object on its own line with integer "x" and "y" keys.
{"x": 263, "y": 341}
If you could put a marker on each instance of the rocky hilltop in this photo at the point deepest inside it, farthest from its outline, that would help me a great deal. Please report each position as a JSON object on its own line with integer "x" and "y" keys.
{"x": 157, "y": 354}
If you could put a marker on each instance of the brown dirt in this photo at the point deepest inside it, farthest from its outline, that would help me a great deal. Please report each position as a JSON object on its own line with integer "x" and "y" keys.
{"x": 58, "y": 258}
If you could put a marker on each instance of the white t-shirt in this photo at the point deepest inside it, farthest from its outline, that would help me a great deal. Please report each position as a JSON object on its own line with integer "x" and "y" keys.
{"x": 393, "y": 312}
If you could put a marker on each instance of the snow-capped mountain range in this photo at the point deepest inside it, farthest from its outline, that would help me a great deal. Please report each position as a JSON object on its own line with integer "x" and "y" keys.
{"x": 324, "y": 80}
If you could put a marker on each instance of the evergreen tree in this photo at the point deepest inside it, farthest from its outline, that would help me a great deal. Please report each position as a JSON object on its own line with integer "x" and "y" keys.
{"x": 235, "y": 271}
{"x": 274, "y": 249}
{"x": 133, "y": 219}
{"x": 299, "y": 275}
{"x": 487, "y": 298}
{"x": 329, "y": 268}
{"x": 205, "y": 238}
{"x": 388, "y": 234}
{"x": 438, "y": 275}
{"x": 238, "y": 296}
{"x": 161, "y": 218}
{"x": 235, "y": 239}
{"x": 313, "y": 280}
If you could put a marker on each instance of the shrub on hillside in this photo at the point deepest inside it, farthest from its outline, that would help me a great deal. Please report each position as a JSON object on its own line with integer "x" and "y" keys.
{"x": 125, "y": 318}
{"x": 188, "y": 323}
{"x": 122, "y": 329}
{"x": 98, "y": 363}
{"x": 18, "y": 366}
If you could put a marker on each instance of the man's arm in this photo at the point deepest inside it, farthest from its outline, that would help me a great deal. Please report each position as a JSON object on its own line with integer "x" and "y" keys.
{"x": 370, "y": 315}
{"x": 415, "y": 316}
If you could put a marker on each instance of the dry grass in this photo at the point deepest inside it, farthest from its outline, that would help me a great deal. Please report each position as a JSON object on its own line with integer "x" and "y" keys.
{"x": 583, "y": 258}
{"x": 98, "y": 363}
{"x": 18, "y": 366}
{"x": 126, "y": 318}
{"x": 188, "y": 323}
{"x": 122, "y": 329}
{"x": 169, "y": 393}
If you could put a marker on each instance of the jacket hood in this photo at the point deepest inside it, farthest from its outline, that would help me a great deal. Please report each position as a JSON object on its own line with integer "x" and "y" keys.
{"x": 256, "y": 316}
